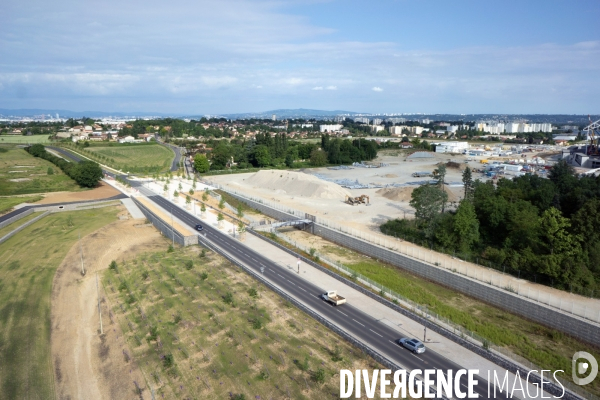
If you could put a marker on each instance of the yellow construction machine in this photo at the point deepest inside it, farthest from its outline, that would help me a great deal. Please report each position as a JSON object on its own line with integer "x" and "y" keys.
{"x": 355, "y": 201}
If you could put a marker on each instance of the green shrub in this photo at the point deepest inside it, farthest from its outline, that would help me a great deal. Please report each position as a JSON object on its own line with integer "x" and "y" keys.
{"x": 319, "y": 375}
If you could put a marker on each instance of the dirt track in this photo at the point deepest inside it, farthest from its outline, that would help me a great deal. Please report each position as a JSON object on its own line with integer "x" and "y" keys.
{"x": 103, "y": 191}
{"x": 87, "y": 365}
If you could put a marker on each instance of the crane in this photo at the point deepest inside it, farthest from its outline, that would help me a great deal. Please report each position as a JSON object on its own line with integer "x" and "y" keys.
{"x": 593, "y": 134}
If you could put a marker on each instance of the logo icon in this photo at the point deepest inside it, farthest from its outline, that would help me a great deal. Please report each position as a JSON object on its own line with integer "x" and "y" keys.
{"x": 579, "y": 368}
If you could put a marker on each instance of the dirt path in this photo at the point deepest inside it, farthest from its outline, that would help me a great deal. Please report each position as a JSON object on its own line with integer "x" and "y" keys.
{"x": 87, "y": 365}
{"x": 103, "y": 191}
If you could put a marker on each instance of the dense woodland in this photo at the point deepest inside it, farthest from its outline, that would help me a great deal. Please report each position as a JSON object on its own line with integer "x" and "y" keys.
{"x": 545, "y": 230}
{"x": 277, "y": 150}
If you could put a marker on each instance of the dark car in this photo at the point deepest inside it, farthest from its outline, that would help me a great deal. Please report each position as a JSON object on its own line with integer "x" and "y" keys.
{"x": 199, "y": 227}
{"x": 414, "y": 345}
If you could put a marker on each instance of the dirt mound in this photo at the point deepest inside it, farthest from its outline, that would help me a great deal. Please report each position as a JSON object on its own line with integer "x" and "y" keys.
{"x": 297, "y": 184}
{"x": 396, "y": 194}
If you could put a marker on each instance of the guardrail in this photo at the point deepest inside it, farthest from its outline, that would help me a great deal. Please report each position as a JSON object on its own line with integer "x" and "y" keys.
{"x": 463, "y": 338}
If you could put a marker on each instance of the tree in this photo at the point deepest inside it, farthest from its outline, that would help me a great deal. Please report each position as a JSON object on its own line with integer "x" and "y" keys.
{"x": 188, "y": 200}
{"x": 201, "y": 163}
{"x": 467, "y": 179}
{"x": 427, "y": 200}
{"x": 191, "y": 192}
{"x": 87, "y": 173}
{"x": 466, "y": 226}
{"x": 50, "y": 171}
{"x": 440, "y": 175}
{"x": 203, "y": 207}
{"x": 262, "y": 156}
{"x": 222, "y": 203}
{"x": 318, "y": 158}
{"x": 176, "y": 194}
{"x": 240, "y": 211}
{"x": 220, "y": 217}
{"x": 166, "y": 187}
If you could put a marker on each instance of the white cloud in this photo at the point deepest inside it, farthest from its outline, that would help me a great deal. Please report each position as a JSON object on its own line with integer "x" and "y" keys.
{"x": 377, "y": 89}
{"x": 331, "y": 87}
{"x": 318, "y": 88}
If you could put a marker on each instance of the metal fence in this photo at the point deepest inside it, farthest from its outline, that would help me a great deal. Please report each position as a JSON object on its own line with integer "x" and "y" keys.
{"x": 492, "y": 276}
{"x": 437, "y": 319}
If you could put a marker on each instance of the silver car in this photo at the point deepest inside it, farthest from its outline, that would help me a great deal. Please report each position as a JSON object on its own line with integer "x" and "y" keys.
{"x": 414, "y": 345}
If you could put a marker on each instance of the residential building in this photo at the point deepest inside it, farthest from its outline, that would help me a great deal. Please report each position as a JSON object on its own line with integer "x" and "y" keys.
{"x": 377, "y": 128}
{"x": 330, "y": 128}
{"x": 377, "y": 121}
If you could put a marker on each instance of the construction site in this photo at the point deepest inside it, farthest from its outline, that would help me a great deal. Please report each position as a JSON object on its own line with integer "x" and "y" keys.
{"x": 357, "y": 196}
{"x": 587, "y": 155}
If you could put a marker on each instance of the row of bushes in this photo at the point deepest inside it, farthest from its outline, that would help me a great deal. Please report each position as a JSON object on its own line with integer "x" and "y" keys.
{"x": 85, "y": 173}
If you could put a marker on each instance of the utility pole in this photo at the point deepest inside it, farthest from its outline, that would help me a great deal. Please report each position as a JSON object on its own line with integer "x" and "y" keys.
{"x": 81, "y": 253}
{"x": 99, "y": 310}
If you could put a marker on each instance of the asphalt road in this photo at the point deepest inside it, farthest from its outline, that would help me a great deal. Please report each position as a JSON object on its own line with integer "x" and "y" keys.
{"x": 177, "y": 150}
{"x": 363, "y": 327}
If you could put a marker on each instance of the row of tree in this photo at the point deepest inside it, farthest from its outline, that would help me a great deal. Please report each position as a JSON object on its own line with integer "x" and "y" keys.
{"x": 85, "y": 173}
{"x": 278, "y": 151}
{"x": 542, "y": 229}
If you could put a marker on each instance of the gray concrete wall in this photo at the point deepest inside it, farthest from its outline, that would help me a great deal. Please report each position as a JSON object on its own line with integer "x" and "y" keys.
{"x": 585, "y": 330}
{"x": 165, "y": 228}
{"x": 25, "y": 225}
{"x": 16, "y": 218}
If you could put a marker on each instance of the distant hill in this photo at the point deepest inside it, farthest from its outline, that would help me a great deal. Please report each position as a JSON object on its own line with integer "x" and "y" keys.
{"x": 31, "y": 112}
{"x": 292, "y": 113}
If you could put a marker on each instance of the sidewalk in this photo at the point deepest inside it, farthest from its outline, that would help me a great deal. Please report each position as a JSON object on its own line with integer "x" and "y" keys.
{"x": 404, "y": 326}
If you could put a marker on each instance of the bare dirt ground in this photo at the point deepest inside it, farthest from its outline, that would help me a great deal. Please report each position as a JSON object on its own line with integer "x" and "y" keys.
{"x": 103, "y": 191}
{"x": 386, "y": 204}
{"x": 86, "y": 364}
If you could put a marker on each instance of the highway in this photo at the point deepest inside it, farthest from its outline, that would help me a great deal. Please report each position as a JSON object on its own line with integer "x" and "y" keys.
{"x": 363, "y": 327}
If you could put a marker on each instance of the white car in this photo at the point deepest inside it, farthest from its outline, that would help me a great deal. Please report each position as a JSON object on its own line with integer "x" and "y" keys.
{"x": 414, "y": 345}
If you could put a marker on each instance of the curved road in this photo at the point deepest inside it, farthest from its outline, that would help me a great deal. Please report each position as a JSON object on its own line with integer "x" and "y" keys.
{"x": 363, "y": 327}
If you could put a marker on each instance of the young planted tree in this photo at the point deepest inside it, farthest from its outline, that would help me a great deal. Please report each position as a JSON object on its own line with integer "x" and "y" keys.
{"x": 222, "y": 204}
{"x": 191, "y": 191}
{"x": 240, "y": 211}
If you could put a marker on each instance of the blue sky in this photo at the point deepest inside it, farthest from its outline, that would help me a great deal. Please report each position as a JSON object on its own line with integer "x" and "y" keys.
{"x": 214, "y": 57}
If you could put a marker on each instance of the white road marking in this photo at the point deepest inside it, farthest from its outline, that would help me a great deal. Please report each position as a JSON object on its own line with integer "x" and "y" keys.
{"x": 301, "y": 289}
{"x": 375, "y": 333}
{"x": 357, "y": 322}
{"x": 341, "y": 312}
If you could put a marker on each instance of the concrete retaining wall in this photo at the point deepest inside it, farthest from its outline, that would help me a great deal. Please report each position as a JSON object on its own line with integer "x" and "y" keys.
{"x": 166, "y": 228}
{"x": 25, "y": 225}
{"x": 585, "y": 330}
{"x": 16, "y": 218}
{"x": 497, "y": 359}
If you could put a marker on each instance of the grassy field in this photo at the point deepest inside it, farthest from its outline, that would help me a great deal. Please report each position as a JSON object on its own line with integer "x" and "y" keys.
{"x": 24, "y": 139}
{"x": 201, "y": 328}
{"x": 7, "y": 203}
{"x": 31, "y": 174}
{"x": 8, "y": 228}
{"x": 543, "y": 346}
{"x": 147, "y": 158}
{"x": 25, "y": 287}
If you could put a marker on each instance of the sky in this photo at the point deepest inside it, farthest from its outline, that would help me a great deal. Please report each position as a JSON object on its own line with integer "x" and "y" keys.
{"x": 232, "y": 56}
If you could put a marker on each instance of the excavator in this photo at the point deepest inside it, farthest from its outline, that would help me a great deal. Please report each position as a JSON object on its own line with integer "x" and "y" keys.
{"x": 355, "y": 201}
